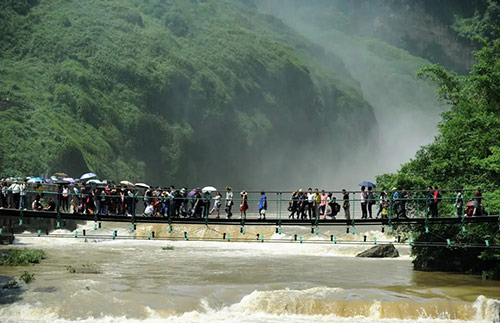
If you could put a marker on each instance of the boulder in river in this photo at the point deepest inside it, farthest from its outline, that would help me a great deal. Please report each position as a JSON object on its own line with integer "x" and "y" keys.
{"x": 380, "y": 251}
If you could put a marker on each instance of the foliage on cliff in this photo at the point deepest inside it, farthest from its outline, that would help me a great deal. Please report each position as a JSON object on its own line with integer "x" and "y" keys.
{"x": 165, "y": 91}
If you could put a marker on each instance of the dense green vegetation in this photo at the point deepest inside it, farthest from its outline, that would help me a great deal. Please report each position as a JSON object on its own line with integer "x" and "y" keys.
{"x": 484, "y": 24}
{"x": 165, "y": 91}
{"x": 466, "y": 152}
{"x": 22, "y": 257}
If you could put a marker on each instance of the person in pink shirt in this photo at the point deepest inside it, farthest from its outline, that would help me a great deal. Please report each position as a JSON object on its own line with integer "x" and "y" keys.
{"x": 323, "y": 204}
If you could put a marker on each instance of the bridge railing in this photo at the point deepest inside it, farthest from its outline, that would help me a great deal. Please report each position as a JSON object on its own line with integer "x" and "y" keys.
{"x": 280, "y": 205}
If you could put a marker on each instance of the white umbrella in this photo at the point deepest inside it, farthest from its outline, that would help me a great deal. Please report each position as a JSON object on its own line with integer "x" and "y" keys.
{"x": 142, "y": 185}
{"x": 127, "y": 183}
{"x": 209, "y": 189}
{"x": 94, "y": 181}
{"x": 88, "y": 176}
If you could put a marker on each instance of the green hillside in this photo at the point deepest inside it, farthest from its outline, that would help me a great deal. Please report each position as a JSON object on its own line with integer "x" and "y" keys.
{"x": 465, "y": 153}
{"x": 167, "y": 92}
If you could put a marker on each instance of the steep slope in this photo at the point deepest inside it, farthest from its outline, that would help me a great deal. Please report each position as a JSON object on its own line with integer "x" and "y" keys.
{"x": 170, "y": 92}
{"x": 405, "y": 108}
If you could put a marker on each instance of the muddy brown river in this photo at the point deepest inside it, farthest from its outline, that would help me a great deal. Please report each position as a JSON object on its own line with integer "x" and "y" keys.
{"x": 278, "y": 280}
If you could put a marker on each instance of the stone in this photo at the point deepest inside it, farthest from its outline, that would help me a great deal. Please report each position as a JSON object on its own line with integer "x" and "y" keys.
{"x": 6, "y": 238}
{"x": 380, "y": 251}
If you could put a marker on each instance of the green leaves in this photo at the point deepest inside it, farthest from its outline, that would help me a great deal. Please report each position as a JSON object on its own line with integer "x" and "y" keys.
{"x": 465, "y": 153}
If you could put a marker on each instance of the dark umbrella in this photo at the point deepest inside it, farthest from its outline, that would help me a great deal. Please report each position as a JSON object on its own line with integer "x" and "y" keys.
{"x": 367, "y": 184}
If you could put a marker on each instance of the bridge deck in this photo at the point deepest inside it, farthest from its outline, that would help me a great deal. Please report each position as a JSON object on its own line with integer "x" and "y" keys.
{"x": 247, "y": 221}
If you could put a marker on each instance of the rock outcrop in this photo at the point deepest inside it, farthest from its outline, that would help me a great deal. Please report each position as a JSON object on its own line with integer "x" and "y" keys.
{"x": 380, "y": 251}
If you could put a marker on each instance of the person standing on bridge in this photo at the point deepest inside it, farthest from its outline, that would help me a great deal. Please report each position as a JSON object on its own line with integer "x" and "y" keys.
{"x": 459, "y": 202}
{"x": 364, "y": 198}
{"x": 217, "y": 204}
{"x": 370, "y": 201}
{"x": 302, "y": 204}
{"x": 65, "y": 199}
{"x": 478, "y": 196}
{"x": 229, "y": 201}
{"x": 436, "y": 196}
{"x": 310, "y": 202}
{"x": 402, "y": 204}
{"x": 4, "y": 195}
{"x": 243, "y": 205}
{"x": 294, "y": 205}
{"x": 262, "y": 206}
{"x": 317, "y": 202}
{"x": 323, "y": 204}
{"x": 429, "y": 200}
{"x": 346, "y": 205}
{"x": 22, "y": 195}
{"x": 381, "y": 200}
{"x": 15, "y": 191}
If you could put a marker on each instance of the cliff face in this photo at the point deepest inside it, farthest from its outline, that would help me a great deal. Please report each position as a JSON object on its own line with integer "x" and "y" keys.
{"x": 422, "y": 27}
{"x": 171, "y": 92}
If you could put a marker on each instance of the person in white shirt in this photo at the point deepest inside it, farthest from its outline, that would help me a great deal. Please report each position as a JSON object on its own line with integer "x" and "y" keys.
{"x": 217, "y": 204}
{"x": 229, "y": 201}
{"x": 65, "y": 199}
{"x": 15, "y": 190}
{"x": 22, "y": 195}
{"x": 149, "y": 210}
{"x": 310, "y": 202}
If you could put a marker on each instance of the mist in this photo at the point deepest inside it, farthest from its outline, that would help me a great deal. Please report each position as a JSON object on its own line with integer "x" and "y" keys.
{"x": 254, "y": 94}
{"x": 406, "y": 109}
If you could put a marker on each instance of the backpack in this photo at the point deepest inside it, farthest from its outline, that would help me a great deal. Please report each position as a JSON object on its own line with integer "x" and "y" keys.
{"x": 437, "y": 196}
{"x": 371, "y": 198}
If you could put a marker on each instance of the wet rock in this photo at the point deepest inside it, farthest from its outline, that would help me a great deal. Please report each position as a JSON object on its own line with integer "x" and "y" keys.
{"x": 50, "y": 289}
{"x": 380, "y": 251}
{"x": 6, "y": 238}
{"x": 84, "y": 269}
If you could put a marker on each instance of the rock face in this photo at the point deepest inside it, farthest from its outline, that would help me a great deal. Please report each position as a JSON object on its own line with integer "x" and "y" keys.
{"x": 6, "y": 238}
{"x": 381, "y": 251}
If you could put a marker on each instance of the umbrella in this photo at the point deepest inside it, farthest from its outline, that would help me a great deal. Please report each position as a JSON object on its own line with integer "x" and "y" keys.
{"x": 367, "y": 184}
{"x": 34, "y": 180}
{"x": 127, "y": 183}
{"x": 142, "y": 185}
{"x": 208, "y": 189}
{"x": 69, "y": 179}
{"x": 192, "y": 193}
{"x": 53, "y": 178}
{"x": 94, "y": 181}
{"x": 61, "y": 174}
{"x": 470, "y": 204}
{"x": 48, "y": 180}
{"x": 88, "y": 176}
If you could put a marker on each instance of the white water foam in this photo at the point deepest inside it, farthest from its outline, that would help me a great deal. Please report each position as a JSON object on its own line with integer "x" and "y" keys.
{"x": 258, "y": 306}
{"x": 240, "y": 249}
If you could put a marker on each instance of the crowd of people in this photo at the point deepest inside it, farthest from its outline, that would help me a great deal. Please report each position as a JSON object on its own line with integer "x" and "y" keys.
{"x": 197, "y": 203}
